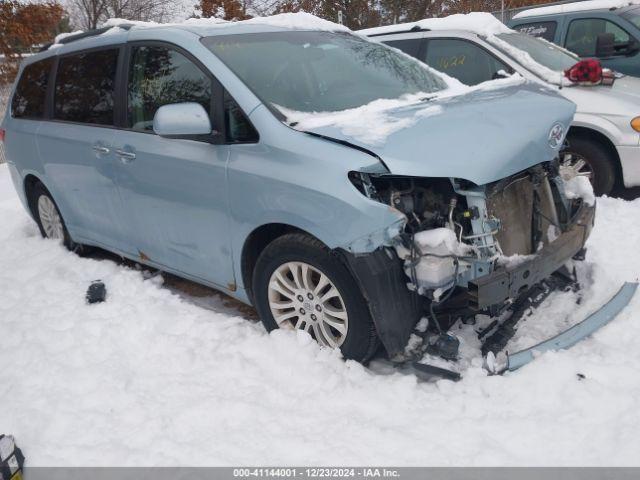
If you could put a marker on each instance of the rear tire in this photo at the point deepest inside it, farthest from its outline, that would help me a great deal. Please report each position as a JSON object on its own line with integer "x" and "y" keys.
{"x": 299, "y": 283}
{"x": 597, "y": 161}
{"x": 48, "y": 217}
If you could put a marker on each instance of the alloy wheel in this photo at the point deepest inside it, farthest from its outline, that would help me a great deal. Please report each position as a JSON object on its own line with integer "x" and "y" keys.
{"x": 50, "y": 218}
{"x": 303, "y": 297}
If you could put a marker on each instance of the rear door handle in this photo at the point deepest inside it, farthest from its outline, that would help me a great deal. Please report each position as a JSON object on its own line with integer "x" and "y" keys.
{"x": 126, "y": 157}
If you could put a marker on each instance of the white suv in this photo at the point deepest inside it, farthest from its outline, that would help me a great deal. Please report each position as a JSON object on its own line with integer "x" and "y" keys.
{"x": 604, "y": 140}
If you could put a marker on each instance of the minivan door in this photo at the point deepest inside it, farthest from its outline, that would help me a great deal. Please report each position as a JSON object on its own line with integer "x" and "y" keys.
{"x": 174, "y": 191}
{"x": 76, "y": 146}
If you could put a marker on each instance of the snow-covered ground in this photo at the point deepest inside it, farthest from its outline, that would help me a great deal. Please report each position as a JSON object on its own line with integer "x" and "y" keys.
{"x": 153, "y": 378}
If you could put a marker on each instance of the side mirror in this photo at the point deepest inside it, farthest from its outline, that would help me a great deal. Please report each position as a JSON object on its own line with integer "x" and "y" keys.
{"x": 606, "y": 45}
{"x": 188, "y": 121}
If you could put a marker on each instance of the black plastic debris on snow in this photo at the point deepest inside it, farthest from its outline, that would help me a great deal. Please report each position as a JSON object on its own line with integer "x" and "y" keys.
{"x": 96, "y": 293}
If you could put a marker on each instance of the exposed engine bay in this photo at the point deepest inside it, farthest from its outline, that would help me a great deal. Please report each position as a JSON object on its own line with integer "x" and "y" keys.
{"x": 469, "y": 249}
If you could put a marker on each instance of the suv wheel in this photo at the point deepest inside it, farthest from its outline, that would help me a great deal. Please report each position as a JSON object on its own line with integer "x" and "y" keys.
{"x": 590, "y": 159}
{"x": 298, "y": 283}
{"x": 48, "y": 217}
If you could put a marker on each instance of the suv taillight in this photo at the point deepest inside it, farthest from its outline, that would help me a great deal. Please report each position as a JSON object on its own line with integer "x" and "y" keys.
{"x": 2, "y": 132}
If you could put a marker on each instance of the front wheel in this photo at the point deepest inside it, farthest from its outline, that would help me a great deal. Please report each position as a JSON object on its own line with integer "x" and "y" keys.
{"x": 298, "y": 283}
{"x": 590, "y": 159}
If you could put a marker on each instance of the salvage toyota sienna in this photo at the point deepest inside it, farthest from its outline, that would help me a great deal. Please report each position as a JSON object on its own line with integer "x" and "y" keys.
{"x": 338, "y": 185}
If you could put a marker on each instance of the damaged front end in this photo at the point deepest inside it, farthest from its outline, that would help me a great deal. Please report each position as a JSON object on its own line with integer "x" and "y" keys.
{"x": 467, "y": 250}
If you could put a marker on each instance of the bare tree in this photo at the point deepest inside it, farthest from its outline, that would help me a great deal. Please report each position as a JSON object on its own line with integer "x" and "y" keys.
{"x": 89, "y": 14}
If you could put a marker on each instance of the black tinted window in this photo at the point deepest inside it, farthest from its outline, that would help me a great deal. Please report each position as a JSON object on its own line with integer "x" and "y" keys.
{"x": 31, "y": 92}
{"x": 239, "y": 128}
{"x": 85, "y": 86}
{"x": 161, "y": 76}
{"x": 410, "y": 47}
{"x": 463, "y": 60}
{"x": 582, "y": 36}
{"x": 546, "y": 30}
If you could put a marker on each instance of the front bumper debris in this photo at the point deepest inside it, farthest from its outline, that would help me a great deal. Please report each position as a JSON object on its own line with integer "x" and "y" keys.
{"x": 575, "y": 334}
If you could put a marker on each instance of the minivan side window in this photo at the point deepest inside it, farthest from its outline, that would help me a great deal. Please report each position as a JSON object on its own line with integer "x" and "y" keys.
{"x": 546, "y": 30}
{"x": 461, "y": 59}
{"x": 160, "y": 76}
{"x": 30, "y": 97}
{"x": 583, "y": 35}
{"x": 84, "y": 88}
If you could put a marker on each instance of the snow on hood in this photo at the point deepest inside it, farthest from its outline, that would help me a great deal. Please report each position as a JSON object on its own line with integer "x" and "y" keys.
{"x": 483, "y": 135}
{"x": 576, "y": 7}
{"x": 477, "y": 22}
{"x": 372, "y": 123}
{"x": 299, "y": 21}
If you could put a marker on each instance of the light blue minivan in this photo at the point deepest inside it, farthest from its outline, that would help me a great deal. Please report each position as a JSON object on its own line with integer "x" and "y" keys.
{"x": 336, "y": 184}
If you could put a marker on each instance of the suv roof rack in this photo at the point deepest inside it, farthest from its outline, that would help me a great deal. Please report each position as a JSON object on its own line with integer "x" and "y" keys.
{"x": 416, "y": 28}
{"x": 91, "y": 33}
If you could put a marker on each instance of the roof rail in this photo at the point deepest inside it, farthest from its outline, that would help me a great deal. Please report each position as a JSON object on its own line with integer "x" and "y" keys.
{"x": 91, "y": 33}
{"x": 416, "y": 28}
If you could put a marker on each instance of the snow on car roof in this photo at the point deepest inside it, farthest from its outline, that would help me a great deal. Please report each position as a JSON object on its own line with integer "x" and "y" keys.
{"x": 477, "y": 22}
{"x": 575, "y": 7}
{"x": 215, "y": 26}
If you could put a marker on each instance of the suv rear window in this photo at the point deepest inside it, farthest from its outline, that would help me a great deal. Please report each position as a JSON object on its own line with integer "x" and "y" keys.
{"x": 85, "y": 85}
{"x": 31, "y": 92}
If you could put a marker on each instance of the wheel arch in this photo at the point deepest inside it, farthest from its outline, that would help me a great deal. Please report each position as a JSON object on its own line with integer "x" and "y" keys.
{"x": 255, "y": 244}
{"x": 603, "y": 140}
{"x": 28, "y": 184}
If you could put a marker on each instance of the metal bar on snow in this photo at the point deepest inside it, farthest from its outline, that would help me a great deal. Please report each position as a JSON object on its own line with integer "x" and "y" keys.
{"x": 578, "y": 332}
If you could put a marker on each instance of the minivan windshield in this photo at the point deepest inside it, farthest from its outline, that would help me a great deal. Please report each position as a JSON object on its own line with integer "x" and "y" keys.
{"x": 543, "y": 52}
{"x": 319, "y": 71}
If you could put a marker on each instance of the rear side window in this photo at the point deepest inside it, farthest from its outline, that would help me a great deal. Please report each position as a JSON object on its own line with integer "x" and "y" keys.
{"x": 31, "y": 92}
{"x": 463, "y": 60}
{"x": 85, "y": 85}
{"x": 583, "y": 35}
{"x": 161, "y": 76}
{"x": 410, "y": 47}
{"x": 546, "y": 30}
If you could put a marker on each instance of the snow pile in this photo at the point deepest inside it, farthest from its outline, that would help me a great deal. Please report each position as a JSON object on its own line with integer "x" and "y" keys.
{"x": 579, "y": 187}
{"x": 575, "y": 7}
{"x": 293, "y": 21}
{"x": 150, "y": 378}
{"x": 478, "y": 22}
{"x": 430, "y": 239}
{"x": 514, "y": 260}
{"x": 374, "y": 122}
{"x": 527, "y": 61}
{"x": 298, "y": 21}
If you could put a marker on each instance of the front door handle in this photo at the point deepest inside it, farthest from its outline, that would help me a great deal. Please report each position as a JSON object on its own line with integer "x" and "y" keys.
{"x": 100, "y": 149}
{"x": 126, "y": 157}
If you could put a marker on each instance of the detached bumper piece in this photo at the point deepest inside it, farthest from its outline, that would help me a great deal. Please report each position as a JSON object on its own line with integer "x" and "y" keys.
{"x": 578, "y": 332}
